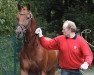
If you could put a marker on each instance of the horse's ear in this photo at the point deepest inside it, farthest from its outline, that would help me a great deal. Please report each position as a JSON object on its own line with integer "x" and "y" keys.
{"x": 28, "y": 6}
{"x": 19, "y": 7}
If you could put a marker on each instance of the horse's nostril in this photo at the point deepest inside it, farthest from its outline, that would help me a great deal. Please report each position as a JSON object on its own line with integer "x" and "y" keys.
{"x": 19, "y": 32}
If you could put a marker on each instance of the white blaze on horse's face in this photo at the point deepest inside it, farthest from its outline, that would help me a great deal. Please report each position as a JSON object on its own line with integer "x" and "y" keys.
{"x": 23, "y": 19}
{"x": 24, "y": 10}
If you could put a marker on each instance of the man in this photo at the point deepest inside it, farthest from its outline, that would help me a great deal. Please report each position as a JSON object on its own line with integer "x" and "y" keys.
{"x": 75, "y": 54}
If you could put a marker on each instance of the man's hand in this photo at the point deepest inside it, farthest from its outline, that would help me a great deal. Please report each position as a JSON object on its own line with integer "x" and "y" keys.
{"x": 84, "y": 66}
{"x": 39, "y": 32}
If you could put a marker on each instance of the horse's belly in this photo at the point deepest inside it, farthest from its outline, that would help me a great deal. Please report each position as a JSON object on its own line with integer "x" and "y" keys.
{"x": 52, "y": 59}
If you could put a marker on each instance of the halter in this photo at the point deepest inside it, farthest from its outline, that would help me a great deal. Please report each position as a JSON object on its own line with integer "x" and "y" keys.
{"x": 29, "y": 20}
{"x": 25, "y": 27}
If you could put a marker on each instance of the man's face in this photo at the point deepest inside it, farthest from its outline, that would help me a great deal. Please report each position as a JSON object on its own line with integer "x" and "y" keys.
{"x": 66, "y": 31}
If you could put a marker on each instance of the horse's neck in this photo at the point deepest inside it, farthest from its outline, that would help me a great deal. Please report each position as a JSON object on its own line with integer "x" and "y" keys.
{"x": 30, "y": 37}
{"x": 30, "y": 33}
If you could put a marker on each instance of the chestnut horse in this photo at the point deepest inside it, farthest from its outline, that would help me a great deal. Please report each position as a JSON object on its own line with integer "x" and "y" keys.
{"x": 33, "y": 57}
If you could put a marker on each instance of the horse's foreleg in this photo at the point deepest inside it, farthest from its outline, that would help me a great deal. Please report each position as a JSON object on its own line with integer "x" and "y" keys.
{"x": 22, "y": 72}
{"x": 52, "y": 71}
{"x": 43, "y": 73}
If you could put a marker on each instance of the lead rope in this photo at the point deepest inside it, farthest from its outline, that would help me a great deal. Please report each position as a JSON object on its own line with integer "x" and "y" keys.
{"x": 87, "y": 31}
{"x": 90, "y": 44}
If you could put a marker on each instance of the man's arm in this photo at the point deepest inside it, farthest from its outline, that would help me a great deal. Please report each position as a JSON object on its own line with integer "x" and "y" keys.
{"x": 51, "y": 44}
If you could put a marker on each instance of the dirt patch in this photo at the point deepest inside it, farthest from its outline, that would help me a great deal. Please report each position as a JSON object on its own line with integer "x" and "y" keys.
{"x": 89, "y": 73}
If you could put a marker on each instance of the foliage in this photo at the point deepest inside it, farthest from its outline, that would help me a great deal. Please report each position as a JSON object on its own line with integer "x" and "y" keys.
{"x": 8, "y": 11}
{"x": 52, "y": 13}
{"x": 9, "y": 53}
{"x": 48, "y": 14}
{"x": 6, "y": 53}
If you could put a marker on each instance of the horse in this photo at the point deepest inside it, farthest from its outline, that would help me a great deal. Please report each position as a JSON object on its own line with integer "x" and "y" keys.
{"x": 33, "y": 57}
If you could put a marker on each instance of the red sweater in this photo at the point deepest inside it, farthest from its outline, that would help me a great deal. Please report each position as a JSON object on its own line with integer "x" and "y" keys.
{"x": 73, "y": 52}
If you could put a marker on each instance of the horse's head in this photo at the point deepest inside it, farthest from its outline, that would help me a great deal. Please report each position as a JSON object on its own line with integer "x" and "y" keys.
{"x": 24, "y": 18}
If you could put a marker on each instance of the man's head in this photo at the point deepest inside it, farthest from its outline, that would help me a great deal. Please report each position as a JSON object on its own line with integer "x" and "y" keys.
{"x": 68, "y": 28}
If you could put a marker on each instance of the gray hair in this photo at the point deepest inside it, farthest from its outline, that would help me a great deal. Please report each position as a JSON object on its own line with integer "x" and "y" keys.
{"x": 71, "y": 25}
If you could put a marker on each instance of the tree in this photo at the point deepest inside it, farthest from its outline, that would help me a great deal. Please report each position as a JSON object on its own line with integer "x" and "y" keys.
{"x": 8, "y": 11}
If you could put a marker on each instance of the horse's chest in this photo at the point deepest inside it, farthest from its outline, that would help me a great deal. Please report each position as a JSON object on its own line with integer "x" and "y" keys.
{"x": 35, "y": 66}
{"x": 35, "y": 61}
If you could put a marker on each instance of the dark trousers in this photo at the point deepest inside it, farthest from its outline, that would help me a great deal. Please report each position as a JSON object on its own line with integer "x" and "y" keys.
{"x": 70, "y": 72}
